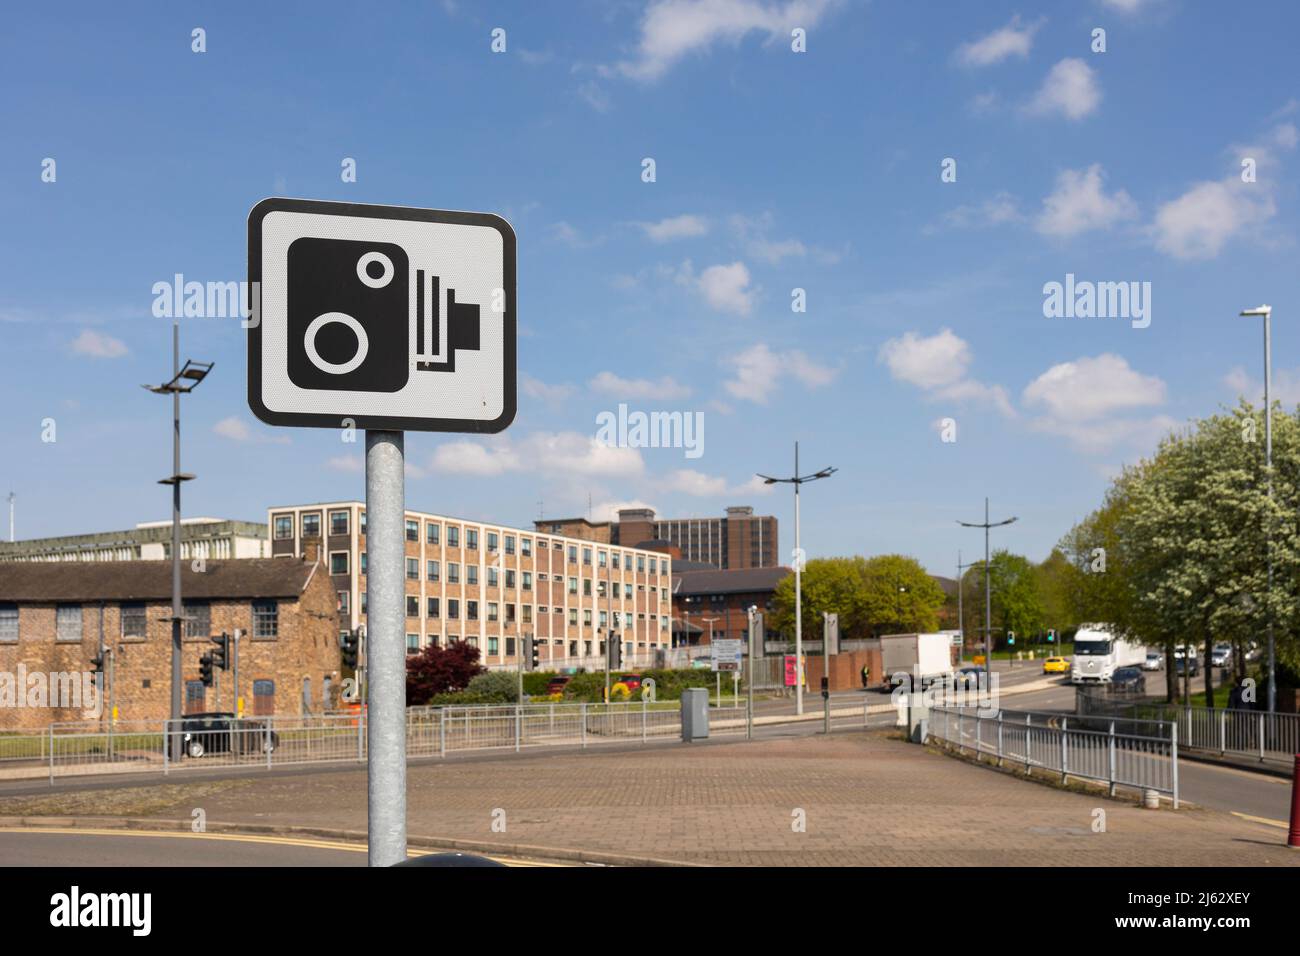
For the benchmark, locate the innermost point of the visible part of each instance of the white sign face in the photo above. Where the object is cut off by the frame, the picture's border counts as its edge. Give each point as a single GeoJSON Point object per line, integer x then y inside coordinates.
{"type": "Point", "coordinates": [727, 654]}
{"type": "Point", "coordinates": [380, 317]}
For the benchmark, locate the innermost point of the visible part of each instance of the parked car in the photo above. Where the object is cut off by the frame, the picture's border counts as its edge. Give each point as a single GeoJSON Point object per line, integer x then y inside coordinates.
{"type": "Point", "coordinates": [1221, 655]}
{"type": "Point", "coordinates": [1155, 661]}
{"type": "Point", "coordinates": [633, 681]}
{"type": "Point", "coordinates": [1193, 668]}
{"type": "Point", "coordinates": [557, 683]}
{"type": "Point", "coordinates": [969, 676]}
{"type": "Point", "coordinates": [222, 732]}
{"type": "Point", "coordinates": [1056, 665]}
{"type": "Point", "coordinates": [1128, 680]}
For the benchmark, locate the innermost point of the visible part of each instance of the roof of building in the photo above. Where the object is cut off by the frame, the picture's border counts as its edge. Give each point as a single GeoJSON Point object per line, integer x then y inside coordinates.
{"type": "Point", "coordinates": [729, 581]}
{"type": "Point", "coordinates": [152, 580]}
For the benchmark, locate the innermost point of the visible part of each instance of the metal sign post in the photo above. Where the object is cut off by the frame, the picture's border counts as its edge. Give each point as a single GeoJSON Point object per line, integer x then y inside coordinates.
{"type": "Point", "coordinates": [387, 319]}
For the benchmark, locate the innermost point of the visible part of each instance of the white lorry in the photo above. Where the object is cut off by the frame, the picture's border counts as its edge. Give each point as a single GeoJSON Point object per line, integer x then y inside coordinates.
{"type": "Point", "coordinates": [1098, 652]}
{"type": "Point", "coordinates": [922, 657]}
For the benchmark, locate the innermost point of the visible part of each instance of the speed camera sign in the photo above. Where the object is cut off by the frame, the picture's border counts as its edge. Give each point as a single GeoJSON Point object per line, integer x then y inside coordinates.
{"type": "Point", "coordinates": [380, 317]}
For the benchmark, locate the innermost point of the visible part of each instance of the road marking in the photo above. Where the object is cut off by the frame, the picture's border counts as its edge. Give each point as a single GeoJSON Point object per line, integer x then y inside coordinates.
{"type": "Point", "coordinates": [317, 844]}
{"type": "Point", "coordinates": [1264, 820]}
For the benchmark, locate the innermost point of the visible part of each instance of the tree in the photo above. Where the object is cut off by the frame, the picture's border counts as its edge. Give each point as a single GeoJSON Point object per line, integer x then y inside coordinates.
{"type": "Point", "coordinates": [1017, 602]}
{"type": "Point", "coordinates": [885, 594]}
{"type": "Point", "coordinates": [438, 670]}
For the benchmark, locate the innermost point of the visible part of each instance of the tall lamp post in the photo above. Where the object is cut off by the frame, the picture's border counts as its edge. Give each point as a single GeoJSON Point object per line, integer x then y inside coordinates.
{"type": "Point", "coordinates": [961, 618]}
{"type": "Point", "coordinates": [1266, 312]}
{"type": "Point", "coordinates": [798, 480]}
{"type": "Point", "coordinates": [183, 380]}
{"type": "Point", "coordinates": [988, 591]}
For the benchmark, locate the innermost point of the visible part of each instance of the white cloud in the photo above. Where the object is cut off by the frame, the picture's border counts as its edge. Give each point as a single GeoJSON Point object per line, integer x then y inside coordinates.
{"type": "Point", "coordinates": [673, 29]}
{"type": "Point", "coordinates": [1010, 40]}
{"type": "Point", "coordinates": [595, 96]}
{"type": "Point", "coordinates": [1080, 204]}
{"type": "Point", "coordinates": [696, 483]}
{"type": "Point", "coordinates": [666, 388]}
{"type": "Point", "coordinates": [752, 233]}
{"type": "Point", "coordinates": [97, 345]}
{"type": "Point", "coordinates": [726, 288]}
{"type": "Point", "coordinates": [232, 428]}
{"type": "Point", "coordinates": [1200, 222]}
{"type": "Point", "coordinates": [351, 464]}
{"type": "Point", "coordinates": [1126, 6]}
{"type": "Point", "coordinates": [608, 510]}
{"type": "Point", "coordinates": [999, 210]}
{"type": "Point", "coordinates": [676, 227]}
{"type": "Point", "coordinates": [553, 454]}
{"type": "Point", "coordinates": [758, 371]}
{"type": "Point", "coordinates": [937, 364]}
{"type": "Point", "coordinates": [1070, 89]}
{"type": "Point", "coordinates": [544, 392]}
{"type": "Point", "coordinates": [1090, 388]}
{"type": "Point", "coordinates": [1284, 388]}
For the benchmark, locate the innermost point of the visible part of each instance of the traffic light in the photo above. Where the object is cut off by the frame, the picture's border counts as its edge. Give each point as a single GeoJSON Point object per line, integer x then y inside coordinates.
{"type": "Point", "coordinates": [349, 644]}
{"type": "Point", "coordinates": [614, 645]}
{"type": "Point", "coordinates": [221, 656]}
{"type": "Point", "coordinates": [97, 664]}
{"type": "Point", "coordinates": [1011, 638]}
{"type": "Point", "coordinates": [205, 670]}
{"type": "Point", "coordinates": [1051, 636]}
{"type": "Point", "coordinates": [534, 653]}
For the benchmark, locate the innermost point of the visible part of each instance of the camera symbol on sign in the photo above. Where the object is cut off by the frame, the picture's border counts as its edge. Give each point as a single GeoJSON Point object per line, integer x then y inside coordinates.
{"type": "Point", "coordinates": [351, 322]}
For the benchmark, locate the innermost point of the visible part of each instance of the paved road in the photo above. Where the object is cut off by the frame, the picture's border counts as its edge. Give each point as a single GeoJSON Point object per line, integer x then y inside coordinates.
{"type": "Point", "coordinates": [88, 847]}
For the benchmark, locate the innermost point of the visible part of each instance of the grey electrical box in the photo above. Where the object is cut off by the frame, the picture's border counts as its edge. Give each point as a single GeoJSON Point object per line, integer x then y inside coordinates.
{"type": "Point", "coordinates": [695, 713]}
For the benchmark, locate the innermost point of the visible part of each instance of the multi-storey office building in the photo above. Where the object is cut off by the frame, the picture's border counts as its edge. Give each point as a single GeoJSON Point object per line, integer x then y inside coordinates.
{"type": "Point", "coordinates": [211, 539]}
{"type": "Point", "coordinates": [493, 585]}
{"type": "Point", "coordinates": [739, 540]}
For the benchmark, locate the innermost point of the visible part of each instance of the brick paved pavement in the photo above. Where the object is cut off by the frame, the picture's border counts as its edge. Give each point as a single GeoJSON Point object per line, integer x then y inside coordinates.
{"type": "Point", "coordinates": [869, 800]}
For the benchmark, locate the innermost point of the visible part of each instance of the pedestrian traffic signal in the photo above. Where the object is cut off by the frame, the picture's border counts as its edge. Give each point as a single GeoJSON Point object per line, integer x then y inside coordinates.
{"type": "Point", "coordinates": [534, 653]}
{"type": "Point", "coordinates": [97, 664]}
{"type": "Point", "coordinates": [349, 644]}
{"type": "Point", "coordinates": [221, 656]}
{"type": "Point", "coordinates": [205, 670]}
{"type": "Point", "coordinates": [1011, 638]}
{"type": "Point", "coordinates": [1051, 636]}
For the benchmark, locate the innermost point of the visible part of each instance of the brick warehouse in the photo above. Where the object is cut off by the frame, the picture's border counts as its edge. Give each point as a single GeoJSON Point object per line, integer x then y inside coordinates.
{"type": "Point", "coordinates": [289, 658]}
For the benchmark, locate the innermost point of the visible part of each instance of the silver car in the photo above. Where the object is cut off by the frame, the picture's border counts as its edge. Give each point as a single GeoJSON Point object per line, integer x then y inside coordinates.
{"type": "Point", "coordinates": [1154, 661]}
{"type": "Point", "coordinates": [1221, 655]}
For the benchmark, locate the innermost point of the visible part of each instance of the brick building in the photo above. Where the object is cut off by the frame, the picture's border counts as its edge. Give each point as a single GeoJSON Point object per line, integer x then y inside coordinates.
{"type": "Point", "coordinates": [741, 539]}
{"type": "Point", "coordinates": [492, 584]}
{"type": "Point", "coordinates": [719, 601]}
{"type": "Point", "coordinates": [53, 616]}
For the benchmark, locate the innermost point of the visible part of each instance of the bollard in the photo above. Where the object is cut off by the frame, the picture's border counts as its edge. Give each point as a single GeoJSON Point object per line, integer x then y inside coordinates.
{"type": "Point", "coordinates": [1293, 835]}
{"type": "Point", "coordinates": [442, 732]}
{"type": "Point", "coordinates": [1150, 799]}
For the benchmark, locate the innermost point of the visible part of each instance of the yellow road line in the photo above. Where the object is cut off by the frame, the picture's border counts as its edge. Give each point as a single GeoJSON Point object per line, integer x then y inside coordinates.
{"type": "Point", "coordinates": [1264, 820]}
{"type": "Point", "coordinates": [317, 844]}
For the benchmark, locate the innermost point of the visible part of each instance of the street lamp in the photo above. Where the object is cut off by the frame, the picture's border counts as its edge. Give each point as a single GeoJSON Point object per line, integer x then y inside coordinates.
{"type": "Point", "coordinates": [1266, 312]}
{"type": "Point", "coordinates": [988, 617]}
{"type": "Point", "coordinates": [798, 480]}
{"type": "Point", "coordinates": [961, 619]}
{"type": "Point", "coordinates": [183, 380]}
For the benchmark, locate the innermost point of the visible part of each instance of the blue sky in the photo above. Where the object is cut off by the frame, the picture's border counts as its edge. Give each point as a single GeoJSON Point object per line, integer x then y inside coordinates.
{"type": "Point", "coordinates": [775, 170]}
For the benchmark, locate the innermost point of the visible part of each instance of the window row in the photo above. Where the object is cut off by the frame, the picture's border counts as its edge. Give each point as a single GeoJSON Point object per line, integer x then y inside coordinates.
{"type": "Point", "coordinates": [134, 621]}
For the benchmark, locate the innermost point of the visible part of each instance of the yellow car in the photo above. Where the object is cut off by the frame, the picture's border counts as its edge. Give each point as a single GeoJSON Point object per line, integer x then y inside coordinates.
{"type": "Point", "coordinates": [1056, 665]}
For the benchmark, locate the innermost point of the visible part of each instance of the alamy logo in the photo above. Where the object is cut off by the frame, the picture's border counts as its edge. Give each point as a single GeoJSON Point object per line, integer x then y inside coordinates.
{"type": "Point", "coordinates": [1098, 300]}
{"type": "Point", "coordinates": [652, 430]}
{"type": "Point", "coordinates": [75, 908]}
{"type": "Point", "coordinates": [40, 690]}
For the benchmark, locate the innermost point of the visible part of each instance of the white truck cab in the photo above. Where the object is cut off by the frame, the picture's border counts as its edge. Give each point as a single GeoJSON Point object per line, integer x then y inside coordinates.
{"type": "Point", "coordinates": [1098, 652]}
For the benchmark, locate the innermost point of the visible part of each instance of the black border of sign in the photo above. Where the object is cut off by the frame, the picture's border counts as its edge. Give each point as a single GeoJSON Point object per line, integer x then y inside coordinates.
{"type": "Point", "coordinates": [380, 422]}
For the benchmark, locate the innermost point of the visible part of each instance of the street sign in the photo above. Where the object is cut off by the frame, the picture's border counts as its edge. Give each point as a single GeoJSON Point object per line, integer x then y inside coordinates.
{"type": "Point", "coordinates": [727, 654]}
{"type": "Point", "coordinates": [380, 317]}
{"type": "Point", "coordinates": [791, 671]}
{"type": "Point", "coordinates": [831, 633]}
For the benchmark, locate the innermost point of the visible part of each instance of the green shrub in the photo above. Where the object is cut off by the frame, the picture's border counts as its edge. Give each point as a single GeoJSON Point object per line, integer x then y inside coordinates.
{"type": "Point", "coordinates": [498, 687]}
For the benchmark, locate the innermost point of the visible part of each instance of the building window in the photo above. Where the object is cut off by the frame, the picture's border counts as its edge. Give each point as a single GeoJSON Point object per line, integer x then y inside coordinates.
{"type": "Point", "coordinates": [573, 554]}
{"type": "Point", "coordinates": [573, 585]}
{"type": "Point", "coordinates": [453, 608]}
{"type": "Point", "coordinates": [528, 614]}
{"type": "Point", "coordinates": [510, 544]}
{"type": "Point", "coordinates": [493, 540]}
{"type": "Point", "coordinates": [364, 607]}
{"type": "Point", "coordinates": [343, 602]}
{"type": "Point", "coordinates": [412, 530]}
{"type": "Point", "coordinates": [492, 646]}
{"type": "Point", "coordinates": [412, 569]}
{"type": "Point", "coordinates": [586, 616]}
{"type": "Point", "coordinates": [471, 610]}
{"type": "Point", "coordinates": [431, 532]}
{"type": "Point", "coordinates": [586, 586]}
{"type": "Point", "coordinates": [134, 620]}
{"type": "Point", "coordinates": [453, 537]}
{"type": "Point", "coordinates": [9, 624]}
{"type": "Point", "coordinates": [198, 618]}
{"type": "Point", "coordinates": [453, 572]}
{"type": "Point", "coordinates": [528, 580]}
{"type": "Point", "coordinates": [338, 522]}
{"type": "Point", "coordinates": [412, 643]}
{"type": "Point", "coordinates": [471, 574]}
{"type": "Point", "coordinates": [654, 565]}
{"type": "Point", "coordinates": [493, 614]}
{"type": "Point", "coordinates": [471, 539]}
{"type": "Point", "coordinates": [338, 562]}
{"type": "Point", "coordinates": [431, 570]}
{"type": "Point", "coordinates": [412, 605]}
{"type": "Point", "coordinates": [510, 579]}
{"type": "Point", "coordinates": [311, 525]}
{"type": "Point", "coordinates": [616, 561]}
{"type": "Point", "coordinates": [525, 546]}
{"type": "Point", "coordinates": [492, 577]}
{"type": "Point", "coordinates": [573, 615]}
{"type": "Point", "coordinates": [433, 607]}
{"type": "Point", "coordinates": [195, 697]}
{"type": "Point", "coordinates": [510, 614]}
{"type": "Point", "coordinates": [266, 618]}
{"type": "Point", "coordinates": [283, 527]}
{"type": "Point", "coordinates": [363, 562]}
{"type": "Point", "coordinates": [640, 562]}
{"type": "Point", "coordinates": [586, 555]}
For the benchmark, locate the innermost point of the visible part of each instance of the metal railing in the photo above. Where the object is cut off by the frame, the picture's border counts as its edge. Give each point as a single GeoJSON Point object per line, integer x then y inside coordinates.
{"type": "Point", "coordinates": [1119, 752]}
{"type": "Point", "coordinates": [1261, 734]}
